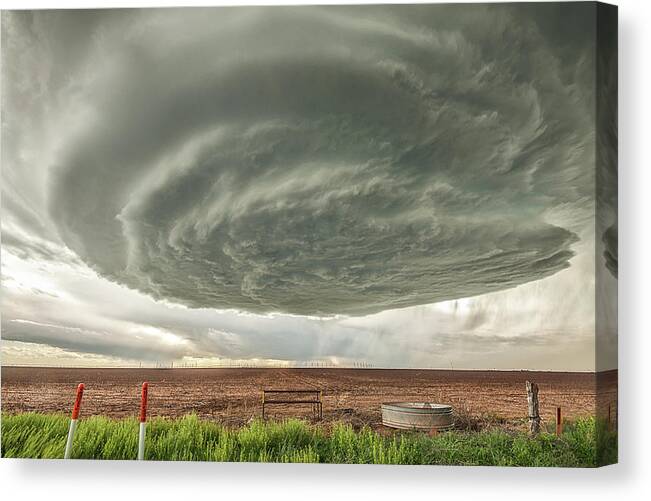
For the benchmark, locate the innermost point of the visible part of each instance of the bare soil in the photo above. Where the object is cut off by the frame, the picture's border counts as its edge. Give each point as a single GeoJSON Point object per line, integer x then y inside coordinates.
{"type": "Point", "coordinates": [233, 395]}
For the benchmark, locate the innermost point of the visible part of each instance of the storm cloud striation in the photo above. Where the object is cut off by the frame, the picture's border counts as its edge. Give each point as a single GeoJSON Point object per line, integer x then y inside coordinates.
{"type": "Point", "coordinates": [319, 161]}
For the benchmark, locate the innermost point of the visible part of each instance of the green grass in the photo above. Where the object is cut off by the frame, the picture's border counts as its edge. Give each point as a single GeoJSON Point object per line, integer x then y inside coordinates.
{"type": "Point", "coordinates": [585, 443]}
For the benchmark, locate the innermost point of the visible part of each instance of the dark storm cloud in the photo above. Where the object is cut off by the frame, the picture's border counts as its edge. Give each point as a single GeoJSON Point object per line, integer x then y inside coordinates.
{"type": "Point", "coordinates": [606, 180]}
{"type": "Point", "coordinates": [610, 241]}
{"type": "Point", "coordinates": [319, 161]}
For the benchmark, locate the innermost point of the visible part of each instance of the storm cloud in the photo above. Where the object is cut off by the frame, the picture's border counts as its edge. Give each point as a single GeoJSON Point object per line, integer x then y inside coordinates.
{"type": "Point", "coordinates": [304, 162]}
{"type": "Point", "coordinates": [318, 161]}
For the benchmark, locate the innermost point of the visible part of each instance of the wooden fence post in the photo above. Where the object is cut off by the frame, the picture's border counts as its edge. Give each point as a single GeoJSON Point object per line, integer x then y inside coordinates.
{"type": "Point", "coordinates": [559, 422]}
{"type": "Point", "coordinates": [532, 401]}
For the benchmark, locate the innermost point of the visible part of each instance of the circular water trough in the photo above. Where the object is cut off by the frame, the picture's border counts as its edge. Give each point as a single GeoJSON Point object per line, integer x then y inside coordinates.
{"type": "Point", "coordinates": [423, 416]}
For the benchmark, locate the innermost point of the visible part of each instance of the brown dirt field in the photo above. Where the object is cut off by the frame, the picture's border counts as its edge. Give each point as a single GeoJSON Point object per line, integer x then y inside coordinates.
{"type": "Point", "coordinates": [232, 396]}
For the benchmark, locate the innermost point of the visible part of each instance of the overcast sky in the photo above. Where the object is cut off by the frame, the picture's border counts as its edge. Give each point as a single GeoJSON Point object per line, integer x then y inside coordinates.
{"type": "Point", "coordinates": [405, 186]}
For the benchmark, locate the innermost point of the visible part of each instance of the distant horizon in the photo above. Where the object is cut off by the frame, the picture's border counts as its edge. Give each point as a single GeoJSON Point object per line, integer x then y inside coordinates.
{"type": "Point", "coordinates": [307, 368]}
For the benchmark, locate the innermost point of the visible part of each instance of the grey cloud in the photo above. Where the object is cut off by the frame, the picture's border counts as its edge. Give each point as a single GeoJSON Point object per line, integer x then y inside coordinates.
{"type": "Point", "coordinates": [87, 314]}
{"type": "Point", "coordinates": [76, 339]}
{"type": "Point", "coordinates": [606, 165]}
{"type": "Point", "coordinates": [610, 254]}
{"type": "Point", "coordinates": [25, 249]}
{"type": "Point", "coordinates": [320, 161]}
{"type": "Point", "coordinates": [36, 249]}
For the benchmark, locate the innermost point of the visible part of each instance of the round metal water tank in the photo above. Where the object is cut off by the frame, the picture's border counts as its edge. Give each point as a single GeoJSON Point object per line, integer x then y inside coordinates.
{"type": "Point", "coordinates": [423, 416]}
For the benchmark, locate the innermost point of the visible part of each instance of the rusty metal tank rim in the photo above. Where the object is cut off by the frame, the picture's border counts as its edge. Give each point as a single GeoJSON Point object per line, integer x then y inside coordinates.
{"type": "Point", "coordinates": [419, 406]}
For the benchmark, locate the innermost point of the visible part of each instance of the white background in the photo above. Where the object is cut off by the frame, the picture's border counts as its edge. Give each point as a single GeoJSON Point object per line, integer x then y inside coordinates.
{"type": "Point", "coordinates": [24, 479]}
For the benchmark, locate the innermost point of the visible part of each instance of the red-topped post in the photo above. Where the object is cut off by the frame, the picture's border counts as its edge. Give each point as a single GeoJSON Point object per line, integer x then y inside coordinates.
{"type": "Point", "coordinates": [73, 421]}
{"type": "Point", "coordinates": [143, 421]}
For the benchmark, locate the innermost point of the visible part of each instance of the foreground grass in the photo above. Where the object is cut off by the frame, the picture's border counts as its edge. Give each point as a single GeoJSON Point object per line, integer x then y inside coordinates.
{"type": "Point", "coordinates": [190, 439]}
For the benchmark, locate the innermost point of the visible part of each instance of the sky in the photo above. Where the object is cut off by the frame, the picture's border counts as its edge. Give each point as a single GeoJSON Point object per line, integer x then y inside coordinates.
{"type": "Point", "coordinates": [397, 186]}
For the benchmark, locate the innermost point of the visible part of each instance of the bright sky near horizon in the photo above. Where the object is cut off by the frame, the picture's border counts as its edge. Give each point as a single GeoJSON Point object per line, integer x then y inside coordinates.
{"type": "Point", "coordinates": [404, 186]}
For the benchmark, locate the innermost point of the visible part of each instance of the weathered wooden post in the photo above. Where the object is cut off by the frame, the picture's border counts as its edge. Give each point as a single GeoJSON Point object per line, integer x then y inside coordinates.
{"type": "Point", "coordinates": [559, 422]}
{"type": "Point", "coordinates": [532, 401]}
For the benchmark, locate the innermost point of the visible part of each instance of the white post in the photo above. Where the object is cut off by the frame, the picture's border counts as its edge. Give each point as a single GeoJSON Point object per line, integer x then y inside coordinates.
{"type": "Point", "coordinates": [73, 421]}
{"type": "Point", "coordinates": [71, 434]}
{"type": "Point", "coordinates": [141, 442]}
{"type": "Point", "coordinates": [143, 421]}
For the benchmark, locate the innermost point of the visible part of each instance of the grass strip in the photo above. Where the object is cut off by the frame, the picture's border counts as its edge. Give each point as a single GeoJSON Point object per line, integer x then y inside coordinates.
{"type": "Point", "coordinates": [584, 443]}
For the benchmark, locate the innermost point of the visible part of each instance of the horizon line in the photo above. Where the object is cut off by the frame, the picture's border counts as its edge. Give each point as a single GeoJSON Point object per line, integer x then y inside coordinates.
{"type": "Point", "coordinates": [23, 366]}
